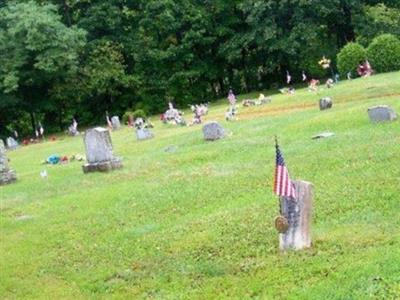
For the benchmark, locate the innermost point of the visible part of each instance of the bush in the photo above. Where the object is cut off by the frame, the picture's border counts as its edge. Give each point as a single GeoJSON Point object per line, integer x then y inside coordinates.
{"type": "Point", "coordinates": [384, 53]}
{"type": "Point", "coordinates": [139, 113]}
{"type": "Point", "coordinates": [125, 117]}
{"type": "Point", "coordinates": [350, 57]}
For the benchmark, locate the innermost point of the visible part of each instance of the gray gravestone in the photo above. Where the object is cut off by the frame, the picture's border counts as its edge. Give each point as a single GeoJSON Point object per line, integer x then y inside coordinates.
{"type": "Point", "coordinates": [381, 113]}
{"type": "Point", "coordinates": [6, 174]}
{"type": "Point", "coordinates": [297, 213]}
{"type": "Point", "coordinates": [213, 131]}
{"type": "Point", "coordinates": [12, 144]}
{"type": "Point", "coordinates": [143, 134]}
{"type": "Point", "coordinates": [116, 124]}
{"type": "Point", "coordinates": [325, 103]}
{"type": "Point", "coordinates": [99, 151]}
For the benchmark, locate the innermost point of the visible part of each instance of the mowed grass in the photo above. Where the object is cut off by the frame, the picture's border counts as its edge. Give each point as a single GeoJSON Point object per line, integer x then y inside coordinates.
{"type": "Point", "coordinates": [197, 222]}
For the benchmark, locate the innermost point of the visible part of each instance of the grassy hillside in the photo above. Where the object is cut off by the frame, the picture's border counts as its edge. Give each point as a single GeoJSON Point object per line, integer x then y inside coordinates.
{"type": "Point", "coordinates": [197, 223]}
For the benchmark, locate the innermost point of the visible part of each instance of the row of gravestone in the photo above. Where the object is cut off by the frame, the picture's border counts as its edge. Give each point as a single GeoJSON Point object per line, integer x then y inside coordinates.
{"type": "Point", "coordinates": [99, 151]}
{"type": "Point", "coordinates": [380, 113]}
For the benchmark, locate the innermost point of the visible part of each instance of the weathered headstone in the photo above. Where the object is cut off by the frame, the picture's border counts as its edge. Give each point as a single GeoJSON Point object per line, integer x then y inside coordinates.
{"type": "Point", "coordinates": [12, 144]}
{"type": "Point", "coordinates": [382, 113]}
{"type": "Point", "coordinates": [6, 174]}
{"type": "Point", "coordinates": [294, 224]}
{"type": "Point", "coordinates": [99, 151]}
{"type": "Point", "coordinates": [116, 124]}
{"type": "Point", "coordinates": [143, 134]}
{"type": "Point", "coordinates": [213, 131]}
{"type": "Point", "coordinates": [325, 103]}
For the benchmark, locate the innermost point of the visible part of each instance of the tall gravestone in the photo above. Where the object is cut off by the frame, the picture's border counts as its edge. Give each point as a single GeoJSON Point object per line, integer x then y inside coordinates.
{"type": "Point", "coordinates": [99, 151]}
{"type": "Point", "coordinates": [116, 124]}
{"type": "Point", "coordinates": [294, 224]}
{"type": "Point", "coordinates": [382, 113]}
{"type": "Point", "coordinates": [6, 174]}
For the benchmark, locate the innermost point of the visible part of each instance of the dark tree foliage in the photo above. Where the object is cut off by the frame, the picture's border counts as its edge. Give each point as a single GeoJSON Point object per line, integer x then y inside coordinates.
{"type": "Point", "coordinates": [61, 59]}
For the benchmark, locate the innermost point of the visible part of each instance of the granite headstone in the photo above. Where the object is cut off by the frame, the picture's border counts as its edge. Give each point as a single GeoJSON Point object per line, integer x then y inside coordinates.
{"type": "Point", "coordinates": [99, 151]}
{"type": "Point", "coordinates": [382, 113]}
{"type": "Point", "coordinates": [325, 103]}
{"type": "Point", "coordinates": [116, 124]}
{"type": "Point", "coordinates": [213, 131]}
{"type": "Point", "coordinates": [12, 144]}
{"type": "Point", "coordinates": [6, 174]}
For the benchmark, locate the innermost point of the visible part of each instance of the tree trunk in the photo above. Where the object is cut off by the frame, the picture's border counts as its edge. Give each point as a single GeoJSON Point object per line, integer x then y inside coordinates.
{"type": "Point", "coordinates": [33, 121]}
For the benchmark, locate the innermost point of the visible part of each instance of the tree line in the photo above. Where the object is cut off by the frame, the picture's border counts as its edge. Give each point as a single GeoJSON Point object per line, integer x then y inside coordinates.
{"type": "Point", "coordinates": [64, 59]}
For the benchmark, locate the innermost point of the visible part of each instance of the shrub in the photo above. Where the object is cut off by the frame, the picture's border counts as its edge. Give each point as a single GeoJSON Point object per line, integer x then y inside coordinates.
{"type": "Point", "coordinates": [125, 117]}
{"type": "Point", "coordinates": [384, 53]}
{"type": "Point", "coordinates": [139, 113]}
{"type": "Point", "coordinates": [350, 57]}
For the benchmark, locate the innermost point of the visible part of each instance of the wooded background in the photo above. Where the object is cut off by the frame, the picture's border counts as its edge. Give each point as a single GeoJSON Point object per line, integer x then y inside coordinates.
{"type": "Point", "coordinates": [79, 58]}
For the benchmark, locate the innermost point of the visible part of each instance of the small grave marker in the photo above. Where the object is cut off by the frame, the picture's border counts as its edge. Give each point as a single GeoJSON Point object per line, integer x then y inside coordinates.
{"type": "Point", "coordinates": [325, 103]}
{"type": "Point", "coordinates": [213, 131]}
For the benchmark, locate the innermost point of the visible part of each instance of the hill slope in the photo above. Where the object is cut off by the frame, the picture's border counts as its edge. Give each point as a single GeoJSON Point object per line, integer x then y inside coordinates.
{"type": "Point", "coordinates": [198, 222]}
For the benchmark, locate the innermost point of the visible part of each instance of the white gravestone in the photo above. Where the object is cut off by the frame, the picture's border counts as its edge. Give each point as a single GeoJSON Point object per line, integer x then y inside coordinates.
{"type": "Point", "coordinates": [99, 151]}
{"type": "Point", "coordinates": [6, 174]}
{"type": "Point", "coordinates": [297, 215]}
{"type": "Point", "coordinates": [381, 113]}
{"type": "Point", "coordinates": [116, 124]}
{"type": "Point", "coordinates": [143, 134]}
{"type": "Point", "coordinates": [12, 144]}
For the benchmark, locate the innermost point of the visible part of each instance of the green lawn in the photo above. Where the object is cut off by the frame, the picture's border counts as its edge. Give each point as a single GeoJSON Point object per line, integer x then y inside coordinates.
{"type": "Point", "coordinates": [197, 223]}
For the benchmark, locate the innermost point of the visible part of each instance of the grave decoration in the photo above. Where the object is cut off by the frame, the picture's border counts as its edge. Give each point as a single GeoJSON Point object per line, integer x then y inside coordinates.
{"type": "Point", "coordinates": [199, 110]}
{"type": "Point", "coordinates": [231, 113]}
{"type": "Point", "coordinates": [73, 128]}
{"type": "Point", "coordinates": [364, 69]}
{"type": "Point", "coordinates": [262, 100]}
{"type": "Point", "coordinates": [173, 116]}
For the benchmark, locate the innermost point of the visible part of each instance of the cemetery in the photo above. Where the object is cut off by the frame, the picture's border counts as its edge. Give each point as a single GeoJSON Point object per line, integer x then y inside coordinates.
{"type": "Point", "coordinates": [158, 149]}
{"type": "Point", "coordinates": [190, 213]}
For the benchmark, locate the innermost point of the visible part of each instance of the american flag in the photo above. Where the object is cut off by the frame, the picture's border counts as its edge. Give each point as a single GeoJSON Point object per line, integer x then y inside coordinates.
{"type": "Point", "coordinates": [283, 185]}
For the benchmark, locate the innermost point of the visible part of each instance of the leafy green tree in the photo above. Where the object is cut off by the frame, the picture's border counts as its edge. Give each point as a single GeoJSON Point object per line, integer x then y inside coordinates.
{"type": "Point", "coordinates": [350, 57]}
{"type": "Point", "coordinates": [37, 50]}
{"type": "Point", "coordinates": [376, 20]}
{"type": "Point", "coordinates": [384, 53]}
